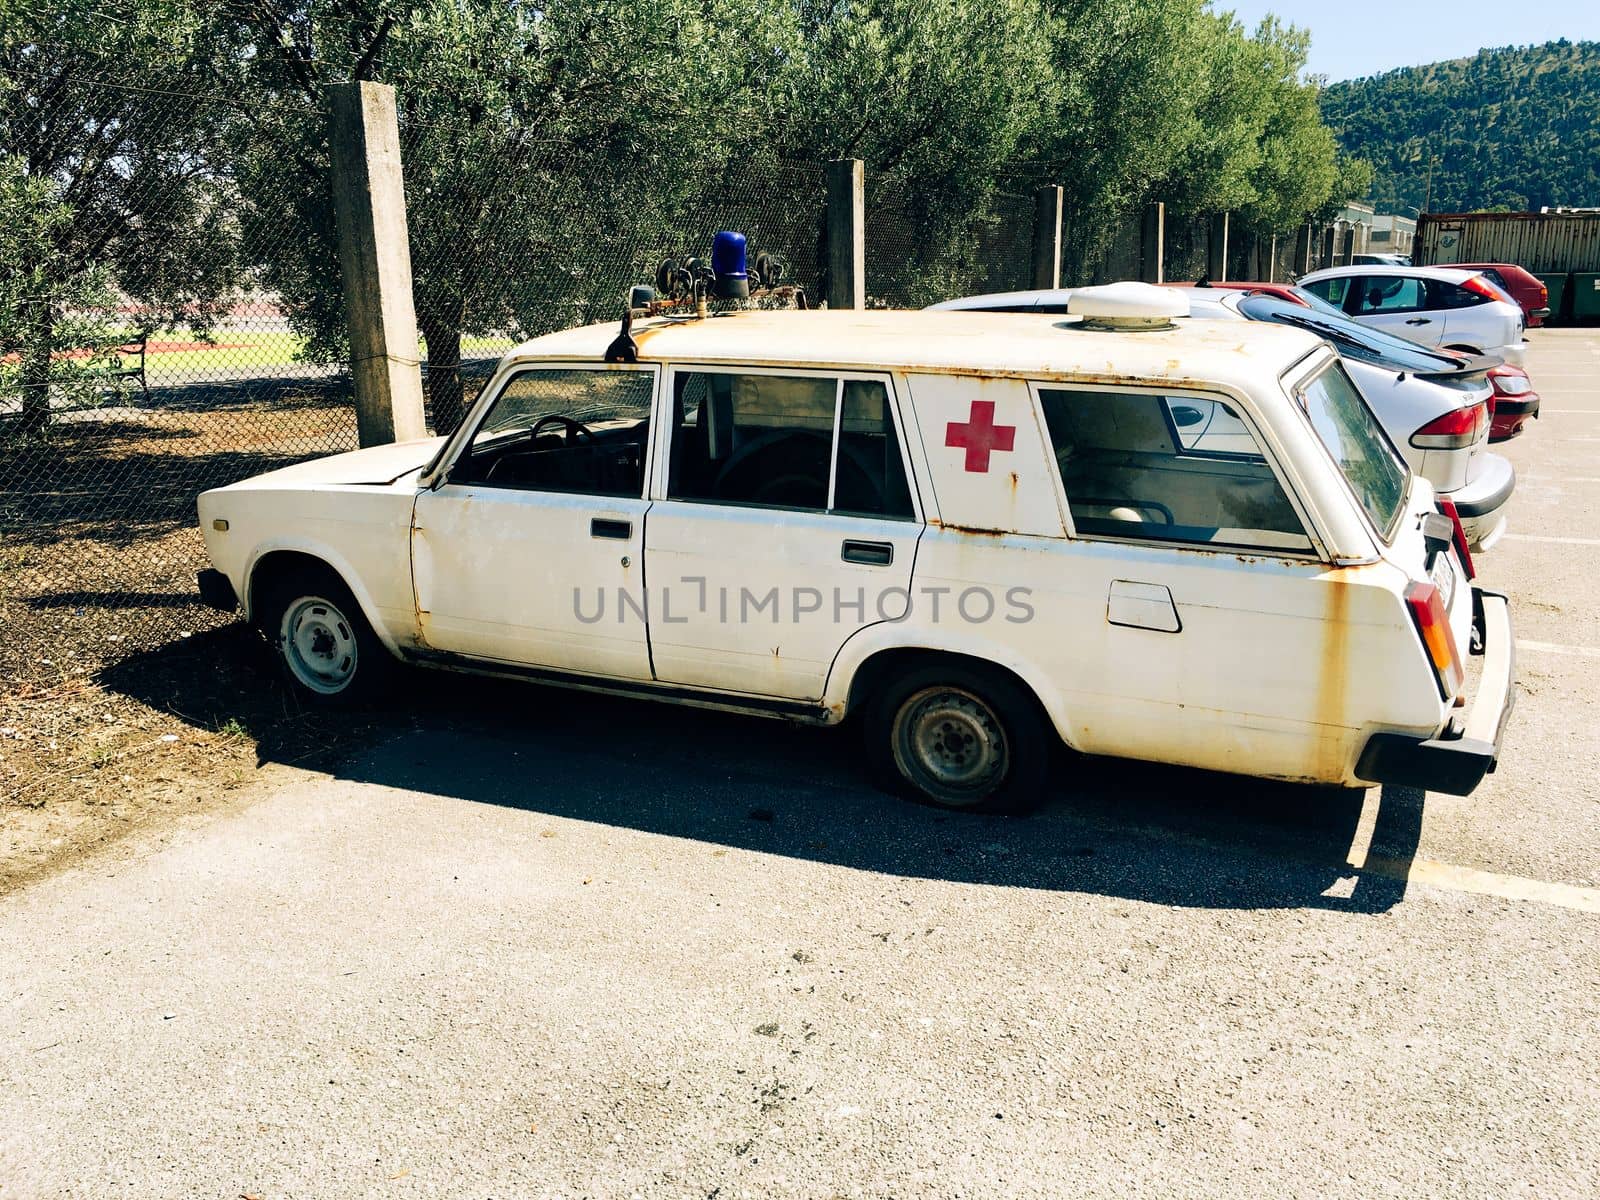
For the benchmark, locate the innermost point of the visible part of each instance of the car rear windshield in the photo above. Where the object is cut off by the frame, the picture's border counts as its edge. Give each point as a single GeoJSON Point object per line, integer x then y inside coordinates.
{"type": "Point", "coordinates": [1350, 338]}
{"type": "Point", "coordinates": [1352, 435]}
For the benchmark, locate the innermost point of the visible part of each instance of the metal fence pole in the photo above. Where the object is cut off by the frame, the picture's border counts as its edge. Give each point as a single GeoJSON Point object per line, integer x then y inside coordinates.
{"type": "Point", "coordinates": [1217, 249]}
{"type": "Point", "coordinates": [1153, 243]}
{"type": "Point", "coordinates": [847, 237]}
{"type": "Point", "coordinates": [375, 258]}
{"type": "Point", "coordinates": [1047, 214]}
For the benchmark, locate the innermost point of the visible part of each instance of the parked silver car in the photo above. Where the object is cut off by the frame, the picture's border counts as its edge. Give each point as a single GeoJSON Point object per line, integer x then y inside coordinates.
{"type": "Point", "coordinates": [1433, 406]}
{"type": "Point", "coordinates": [1432, 306]}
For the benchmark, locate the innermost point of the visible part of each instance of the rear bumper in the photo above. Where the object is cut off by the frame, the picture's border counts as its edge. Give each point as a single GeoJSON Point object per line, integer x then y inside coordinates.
{"type": "Point", "coordinates": [217, 590]}
{"type": "Point", "coordinates": [1481, 503]}
{"type": "Point", "coordinates": [1511, 414]}
{"type": "Point", "coordinates": [1457, 759]}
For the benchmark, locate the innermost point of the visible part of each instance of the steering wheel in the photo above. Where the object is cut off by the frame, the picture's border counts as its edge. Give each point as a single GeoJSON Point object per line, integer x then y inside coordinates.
{"type": "Point", "coordinates": [574, 428]}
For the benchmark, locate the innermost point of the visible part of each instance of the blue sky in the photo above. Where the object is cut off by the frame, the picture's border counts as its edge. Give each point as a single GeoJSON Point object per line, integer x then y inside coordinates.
{"type": "Point", "coordinates": [1363, 37]}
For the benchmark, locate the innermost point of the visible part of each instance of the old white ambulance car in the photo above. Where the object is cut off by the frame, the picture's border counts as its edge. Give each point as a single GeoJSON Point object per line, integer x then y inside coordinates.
{"type": "Point", "coordinates": [980, 536]}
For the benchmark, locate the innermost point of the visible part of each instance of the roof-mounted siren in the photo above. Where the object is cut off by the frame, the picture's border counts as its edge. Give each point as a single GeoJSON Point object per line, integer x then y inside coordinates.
{"type": "Point", "coordinates": [732, 278]}
{"type": "Point", "coordinates": [1127, 307]}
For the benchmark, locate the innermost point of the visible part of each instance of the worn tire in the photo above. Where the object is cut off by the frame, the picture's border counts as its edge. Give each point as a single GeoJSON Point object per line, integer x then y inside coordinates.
{"type": "Point", "coordinates": [960, 738]}
{"type": "Point", "coordinates": [324, 647]}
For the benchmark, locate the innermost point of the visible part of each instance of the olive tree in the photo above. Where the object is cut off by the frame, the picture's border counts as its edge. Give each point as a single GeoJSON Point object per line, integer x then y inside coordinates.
{"type": "Point", "coordinates": [110, 192]}
{"type": "Point", "coordinates": [540, 141]}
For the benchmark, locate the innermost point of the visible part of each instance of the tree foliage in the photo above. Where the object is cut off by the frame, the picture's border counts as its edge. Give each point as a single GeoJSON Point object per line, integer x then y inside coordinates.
{"type": "Point", "coordinates": [100, 184]}
{"type": "Point", "coordinates": [552, 147]}
{"type": "Point", "coordinates": [1510, 128]}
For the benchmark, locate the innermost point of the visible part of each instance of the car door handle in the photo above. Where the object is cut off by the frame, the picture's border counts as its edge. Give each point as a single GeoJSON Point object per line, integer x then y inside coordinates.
{"type": "Point", "coordinates": [1420, 321]}
{"type": "Point", "coordinates": [602, 527]}
{"type": "Point", "coordinates": [876, 554]}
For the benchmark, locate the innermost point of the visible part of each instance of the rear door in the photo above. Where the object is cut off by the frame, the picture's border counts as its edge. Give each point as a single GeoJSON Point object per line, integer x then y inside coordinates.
{"type": "Point", "coordinates": [784, 521]}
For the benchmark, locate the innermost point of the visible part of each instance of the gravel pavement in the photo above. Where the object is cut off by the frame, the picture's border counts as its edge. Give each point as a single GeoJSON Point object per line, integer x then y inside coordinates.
{"type": "Point", "coordinates": [559, 945]}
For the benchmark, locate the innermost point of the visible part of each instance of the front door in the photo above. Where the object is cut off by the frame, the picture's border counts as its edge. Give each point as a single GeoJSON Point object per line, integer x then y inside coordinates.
{"type": "Point", "coordinates": [532, 550]}
{"type": "Point", "coordinates": [785, 523]}
{"type": "Point", "coordinates": [1399, 305]}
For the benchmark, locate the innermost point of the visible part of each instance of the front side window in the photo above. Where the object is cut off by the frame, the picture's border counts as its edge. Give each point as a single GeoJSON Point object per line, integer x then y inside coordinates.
{"type": "Point", "coordinates": [1358, 444]}
{"type": "Point", "coordinates": [564, 430]}
{"type": "Point", "coordinates": [807, 442]}
{"type": "Point", "coordinates": [1167, 468]}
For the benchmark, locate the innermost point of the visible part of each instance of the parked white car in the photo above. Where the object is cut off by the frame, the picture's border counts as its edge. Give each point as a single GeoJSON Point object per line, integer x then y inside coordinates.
{"type": "Point", "coordinates": [1434, 407]}
{"type": "Point", "coordinates": [982, 537]}
{"type": "Point", "coordinates": [1432, 306]}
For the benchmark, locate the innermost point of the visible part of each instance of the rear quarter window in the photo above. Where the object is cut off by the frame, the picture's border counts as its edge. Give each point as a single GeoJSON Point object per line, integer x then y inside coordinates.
{"type": "Point", "coordinates": [1345, 424]}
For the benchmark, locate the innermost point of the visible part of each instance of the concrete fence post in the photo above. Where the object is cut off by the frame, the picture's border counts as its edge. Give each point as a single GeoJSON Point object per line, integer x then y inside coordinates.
{"type": "Point", "coordinates": [375, 257]}
{"type": "Point", "coordinates": [847, 235]}
{"type": "Point", "coordinates": [1217, 249]}
{"type": "Point", "coordinates": [1329, 246]}
{"type": "Point", "coordinates": [1153, 243]}
{"type": "Point", "coordinates": [1047, 214]}
{"type": "Point", "coordinates": [1302, 258]}
{"type": "Point", "coordinates": [1272, 261]}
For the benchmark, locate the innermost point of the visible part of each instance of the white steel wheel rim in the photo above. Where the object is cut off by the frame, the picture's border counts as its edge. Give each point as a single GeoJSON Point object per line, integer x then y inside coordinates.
{"type": "Point", "coordinates": [950, 743]}
{"type": "Point", "coordinates": [319, 644]}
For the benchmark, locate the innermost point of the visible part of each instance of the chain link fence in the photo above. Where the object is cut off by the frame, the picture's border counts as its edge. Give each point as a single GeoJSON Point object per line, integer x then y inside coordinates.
{"type": "Point", "coordinates": [917, 255]}
{"type": "Point", "coordinates": [140, 363]}
{"type": "Point", "coordinates": [171, 313]}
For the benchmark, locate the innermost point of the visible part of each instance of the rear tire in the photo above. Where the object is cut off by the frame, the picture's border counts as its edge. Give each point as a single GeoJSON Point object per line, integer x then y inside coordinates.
{"type": "Point", "coordinates": [959, 738]}
{"type": "Point", "coordinates": [326, 650]}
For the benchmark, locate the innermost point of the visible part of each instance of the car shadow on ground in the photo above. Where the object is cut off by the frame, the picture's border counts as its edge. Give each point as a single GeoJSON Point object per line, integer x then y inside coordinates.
{"type": "Point", "coordinates": [1140, 831]}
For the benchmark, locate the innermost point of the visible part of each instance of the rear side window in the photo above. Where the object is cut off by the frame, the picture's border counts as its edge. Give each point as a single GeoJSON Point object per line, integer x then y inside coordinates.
{"type": "Point", "coordinates": [1167, 468]}
{"type": "Point", "coordinates": [808, 442]}
{"type": "Point", "coordinates": [1453, 295]}
{"type": "Point", "coordinates": [1391, 293]}
{"type": "Point", "coordinates": [1352, 435]}
{"type": "Point", "coordinates": [1332, 290]}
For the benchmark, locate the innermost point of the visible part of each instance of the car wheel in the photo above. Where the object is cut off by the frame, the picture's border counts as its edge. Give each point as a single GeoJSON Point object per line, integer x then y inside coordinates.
{"type": "Point", "coordinates": [959, 738]}
{"type": "Point", "coordinates": [323, 644]}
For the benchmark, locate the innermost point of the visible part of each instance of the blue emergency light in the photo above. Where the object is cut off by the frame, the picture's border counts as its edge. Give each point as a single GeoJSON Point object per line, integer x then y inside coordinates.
{"type": "Point", "coordinates": [728, 265]}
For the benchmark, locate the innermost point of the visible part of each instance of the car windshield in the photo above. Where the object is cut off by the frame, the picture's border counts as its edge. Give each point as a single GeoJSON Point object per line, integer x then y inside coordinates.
{"type": "Point", "coordinates": [1361, 342]}
{"type": "Point", "coordinates": [1351, 433]}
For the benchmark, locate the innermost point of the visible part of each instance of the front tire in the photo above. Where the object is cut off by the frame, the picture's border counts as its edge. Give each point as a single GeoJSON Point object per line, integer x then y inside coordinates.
{"type": "Point", "coordinates": [959, 738]}
{"type": "Point", "coordinates": [325, 648]}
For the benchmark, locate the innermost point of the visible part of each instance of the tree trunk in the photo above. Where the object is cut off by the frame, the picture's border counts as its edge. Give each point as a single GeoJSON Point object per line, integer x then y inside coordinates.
{"type": "Point", "coordinates": [36, 367]}
{"type": "Point", "coordinates": [445, 396]}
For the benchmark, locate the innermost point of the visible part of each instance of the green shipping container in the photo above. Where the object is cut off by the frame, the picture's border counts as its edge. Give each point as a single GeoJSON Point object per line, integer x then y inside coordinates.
{"type": "Point", "coordinates": [1585, 296]}
{"type": "Point", "coordinates": [1556, 285]}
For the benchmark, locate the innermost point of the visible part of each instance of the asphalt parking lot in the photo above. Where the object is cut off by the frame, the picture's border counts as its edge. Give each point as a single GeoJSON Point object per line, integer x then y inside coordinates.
{"type": "Point", "coordinates": [566, 946]}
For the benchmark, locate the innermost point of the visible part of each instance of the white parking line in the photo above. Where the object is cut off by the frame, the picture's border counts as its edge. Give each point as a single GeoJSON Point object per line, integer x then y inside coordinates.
{"type": "Point", "coordinates": [1562, 541]}
{"type": "Point", "coordinates": [1480, 883]}
{"type": "Point", "coordinates": [1557, 648]}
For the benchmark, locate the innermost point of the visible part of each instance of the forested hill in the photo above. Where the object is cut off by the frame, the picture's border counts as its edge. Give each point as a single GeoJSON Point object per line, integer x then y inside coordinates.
{"type": "Point", "coordinates": [1514, 128]}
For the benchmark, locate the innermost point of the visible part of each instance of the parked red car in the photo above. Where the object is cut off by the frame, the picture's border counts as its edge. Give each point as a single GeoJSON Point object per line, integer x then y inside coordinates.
{"type": "Point", "coordinates": [1513, 404]}
{"type": "Point", "coordinates": [1531, 295]}
{"type": "Point", "coordinates": [1282, 291]}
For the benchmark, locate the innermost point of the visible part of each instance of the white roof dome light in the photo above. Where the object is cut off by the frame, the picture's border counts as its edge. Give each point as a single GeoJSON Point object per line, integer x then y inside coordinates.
{"type": "Point", "coordinates": [1127, 306]}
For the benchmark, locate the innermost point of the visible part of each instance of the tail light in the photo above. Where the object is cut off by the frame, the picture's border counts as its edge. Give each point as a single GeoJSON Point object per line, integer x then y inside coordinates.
{"type": "Point", "coordinates": [1508, 380]}
{"type": "Point", "coordinates": [1433, 625]}
{"type": "Point", "coordinates": [1480, 286]}
{"type": "Point", "coordinates": [1458, 428]}
{"type": "Point", "coordinates": [1448, 507]}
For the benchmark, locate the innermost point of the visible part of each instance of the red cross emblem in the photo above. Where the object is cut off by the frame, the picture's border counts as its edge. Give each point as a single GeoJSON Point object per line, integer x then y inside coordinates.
{"type": "Point", "coordinates": [978, 435]}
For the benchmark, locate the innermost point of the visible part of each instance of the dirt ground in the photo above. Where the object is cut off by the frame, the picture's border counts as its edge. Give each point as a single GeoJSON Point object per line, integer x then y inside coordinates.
{"type": "Point", "coordinates": [181, 730]}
